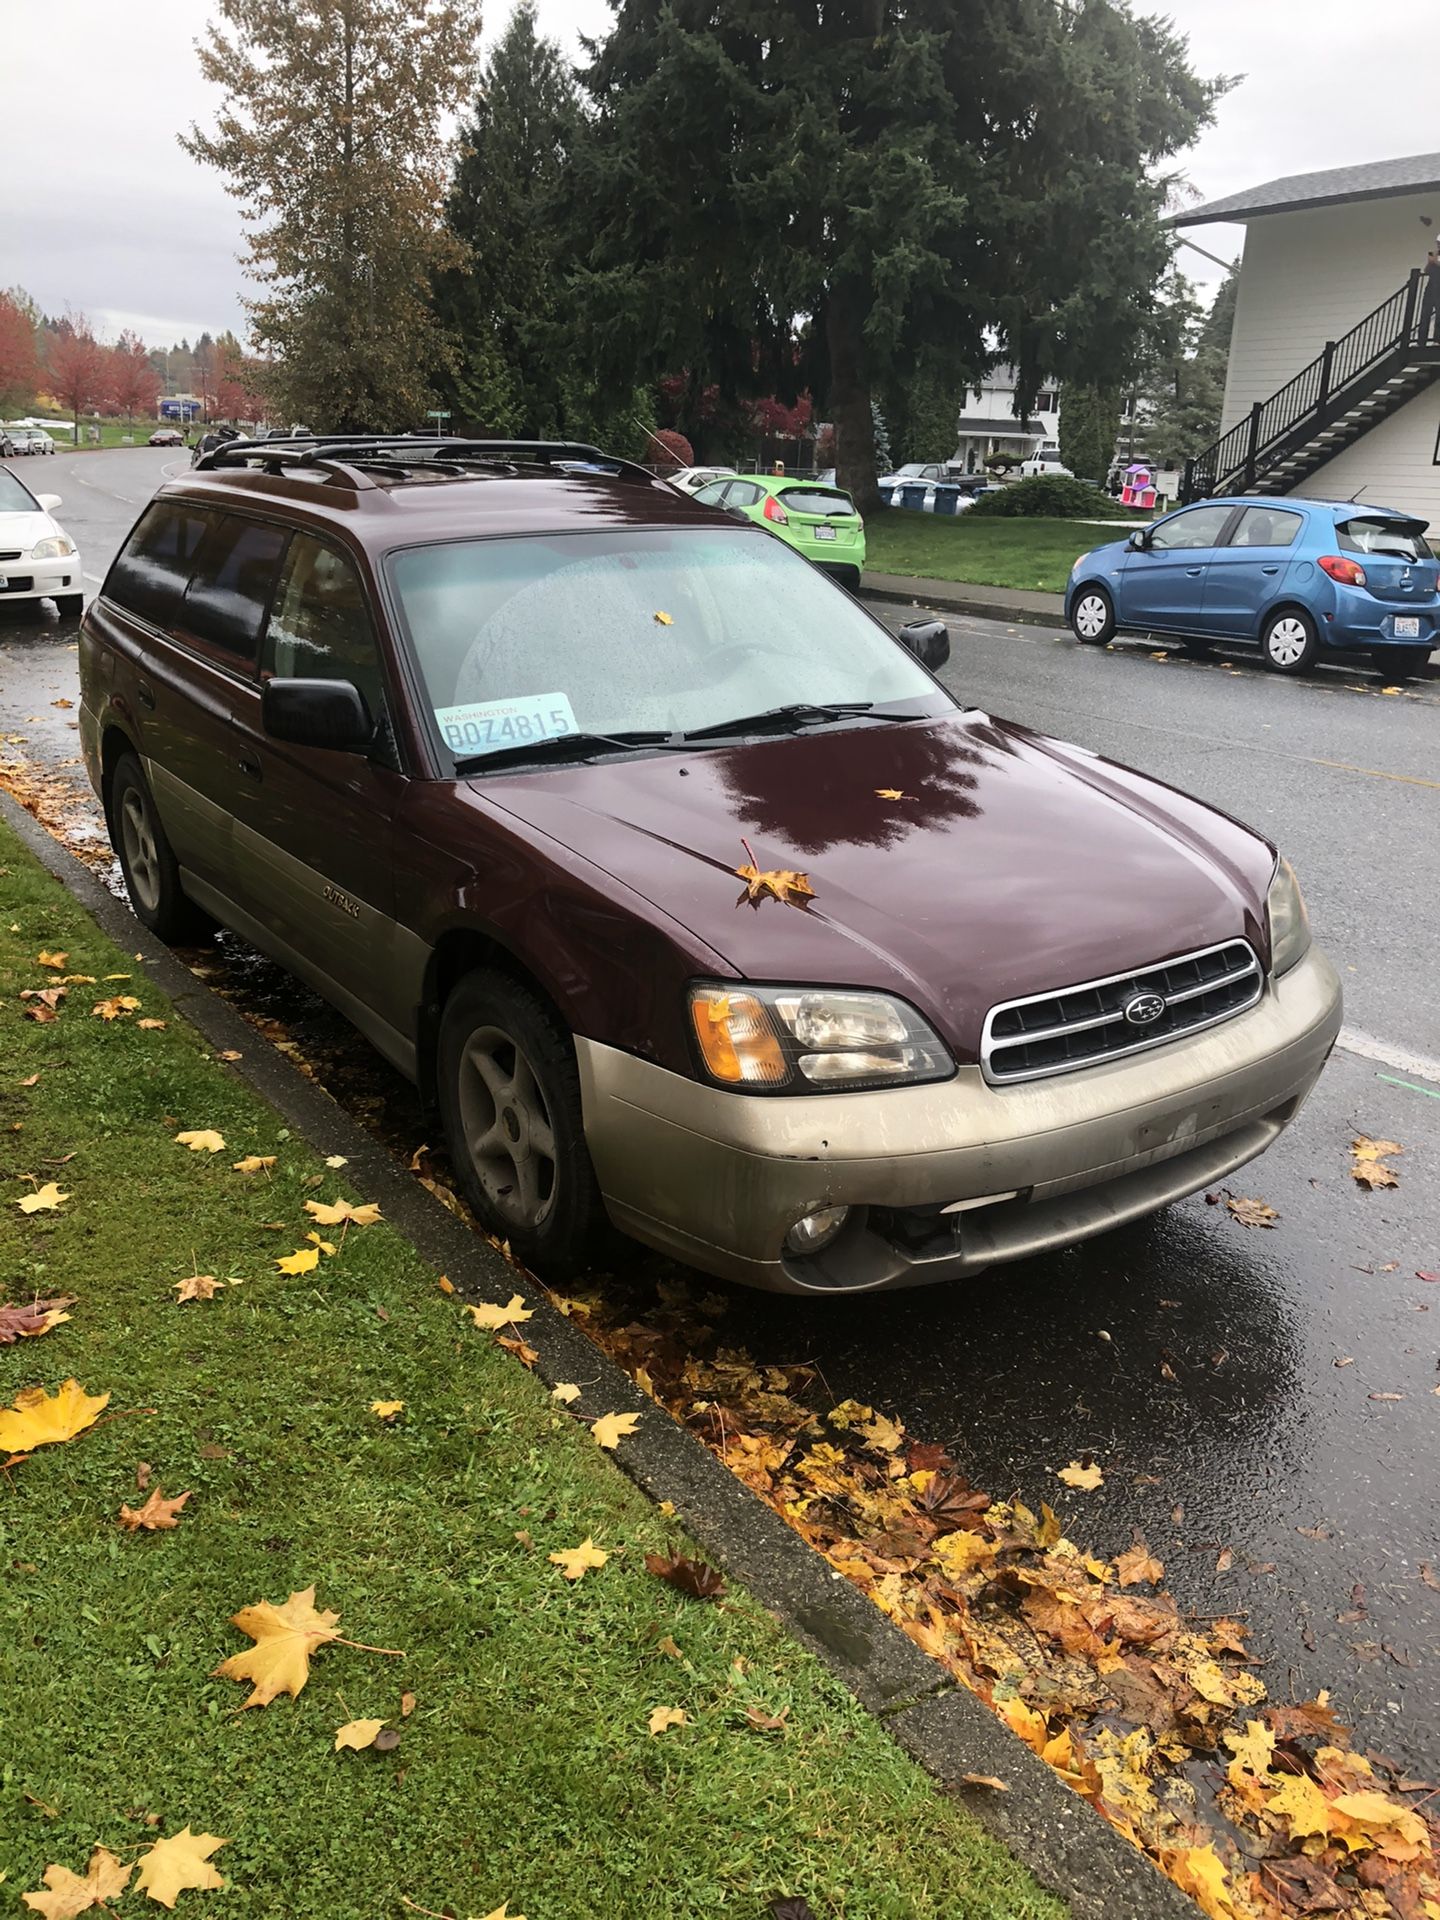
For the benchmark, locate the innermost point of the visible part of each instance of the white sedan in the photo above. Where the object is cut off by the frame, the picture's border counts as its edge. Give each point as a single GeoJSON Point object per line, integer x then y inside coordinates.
{"type": "Point", "coordinates": [691, 479]}
{"type": "Point", "coordinates": [38, 560]}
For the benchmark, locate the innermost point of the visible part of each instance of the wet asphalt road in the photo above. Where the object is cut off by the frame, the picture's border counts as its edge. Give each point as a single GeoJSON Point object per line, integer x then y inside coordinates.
{"type": "Point", "coordinates": [1197, 1359]}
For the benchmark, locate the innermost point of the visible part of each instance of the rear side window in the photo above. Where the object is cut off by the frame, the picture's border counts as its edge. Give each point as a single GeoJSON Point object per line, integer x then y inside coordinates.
{"type": "Point", "coordinates": [828, 501]}
{"type": "Point", "coordinates": [1267, 527]}
{"type": "Point", "coordinates": [1394, 539]}
{"type": "Point", "coordinates": [152, 569]}
{"type": "Point", "coordinates": [743, 493]}
{"type": "Point", "coordinates": [231, 585]}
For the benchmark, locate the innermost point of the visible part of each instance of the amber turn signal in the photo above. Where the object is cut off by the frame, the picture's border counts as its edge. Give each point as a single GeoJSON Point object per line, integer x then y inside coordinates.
{"type": "Point", "coordinates": [736, 1040]}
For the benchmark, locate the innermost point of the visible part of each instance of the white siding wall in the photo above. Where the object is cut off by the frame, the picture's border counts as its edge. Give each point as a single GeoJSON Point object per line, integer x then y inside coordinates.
{"type": "Point", "coordinates": [1309, 277]}
{"type": "Point", "coordinates": [1394, 463]}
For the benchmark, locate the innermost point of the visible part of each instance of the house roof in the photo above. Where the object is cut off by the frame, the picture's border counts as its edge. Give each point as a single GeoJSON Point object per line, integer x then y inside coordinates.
{"type": "Point", "coordinates": [1375, 180]}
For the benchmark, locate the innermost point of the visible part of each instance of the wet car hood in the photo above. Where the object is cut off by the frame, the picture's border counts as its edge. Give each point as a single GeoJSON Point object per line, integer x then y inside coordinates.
{"type": "Point", "coordinates": [23, 526]}
{"type": "Point", "coordinates": [1010, 864]}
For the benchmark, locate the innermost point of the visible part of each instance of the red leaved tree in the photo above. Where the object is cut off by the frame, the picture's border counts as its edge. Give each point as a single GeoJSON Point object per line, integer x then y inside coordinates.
{"type": "Point", "coordinates": [19, 359]}
{"type": "Point", "coordinates": [76, 366]}
{"type": "Point", "coordinates": [672, 450]}
{"type": "Point", "coordinates": [237, 387]}
{"type": "Point", "coordinates": [132, 384]}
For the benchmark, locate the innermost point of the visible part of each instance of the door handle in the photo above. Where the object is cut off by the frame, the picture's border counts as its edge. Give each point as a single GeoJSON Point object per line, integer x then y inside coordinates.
{"type": "Point", "coordinates": [1192, 571]}
{"type": "Point", "coordinates": [1269, 569]}
{"type": "Point", "coordinates": [249, 767]}
{"type": "Point", "coordinates": [144, 695]}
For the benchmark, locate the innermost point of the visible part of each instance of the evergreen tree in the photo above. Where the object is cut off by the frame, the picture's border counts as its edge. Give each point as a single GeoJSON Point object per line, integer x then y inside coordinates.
{"type": "Point", "coordinates": [924, 417]}
{"type": "Point", "coordinates": [1182, 387]}
{"type": "Point", "coordinates": [1089, 425]}
{"type": "Point", "coordinates": [901, 174]}
{"type": "Point", "coordinates": [503, 303]}
{"type": "Point", "coordinates": [329, 137]}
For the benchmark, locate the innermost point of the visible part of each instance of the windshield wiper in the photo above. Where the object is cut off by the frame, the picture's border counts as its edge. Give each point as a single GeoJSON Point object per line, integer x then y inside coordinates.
{"type": "Point", "coordinates": [799, 713]}
{"type": "Point", "coordinates": [565, 746]}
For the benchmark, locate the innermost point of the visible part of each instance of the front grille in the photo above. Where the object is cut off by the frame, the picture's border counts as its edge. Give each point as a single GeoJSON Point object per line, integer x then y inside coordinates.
{"type": "Point", "coordinates": [1079, 1026]}
{"type": "Point", "coordinates": [11, 556]}
{"type": "Point", "coordinates": [17, 583]}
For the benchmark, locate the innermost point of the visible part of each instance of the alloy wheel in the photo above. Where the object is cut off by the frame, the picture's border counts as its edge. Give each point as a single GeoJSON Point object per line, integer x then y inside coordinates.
{"type": "Point", "coordinates": [142, 856]}
{"type": "Point", "coordinates": [507, 1126]}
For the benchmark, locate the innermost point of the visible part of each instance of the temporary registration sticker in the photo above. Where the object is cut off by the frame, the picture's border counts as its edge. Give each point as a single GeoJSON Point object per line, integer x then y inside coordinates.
{"type": "Point", "coordinates": [484, 726]}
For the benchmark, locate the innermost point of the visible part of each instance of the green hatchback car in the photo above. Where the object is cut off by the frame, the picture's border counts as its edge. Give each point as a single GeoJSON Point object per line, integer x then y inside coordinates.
{"type": "Point", "coordinates": [818, 521]}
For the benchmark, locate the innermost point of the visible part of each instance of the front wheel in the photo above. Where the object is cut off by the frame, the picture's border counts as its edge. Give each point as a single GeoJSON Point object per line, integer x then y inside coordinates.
{"type": "Point", "coordinates": [510, 1099]}
{"type": "Point", "coordinates": [1092, 617]}
{"type": "Point", "coordinates": [147, 860]}
{"type": "Point", "coordinates": [69, 605]}
{"type": "Point", "coordinates": [1400, 663]}
{"type": "Point", "coordinates": [1289, 642]}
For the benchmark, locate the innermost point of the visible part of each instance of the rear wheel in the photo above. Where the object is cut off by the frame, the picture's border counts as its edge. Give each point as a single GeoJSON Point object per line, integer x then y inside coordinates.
{"type": "Point", "coordinates": [1289, 642]}
{"type": "Point", "coordinates": [69, 605]}
{"type": "Point", "coordinates": [152, 874]}
{"type": "Point", "coordinates": [1400, 663]}
{"type": "Point", "coordinates": [1092, 617]}
{"type": "Point", "coordinates": [510, 1100]}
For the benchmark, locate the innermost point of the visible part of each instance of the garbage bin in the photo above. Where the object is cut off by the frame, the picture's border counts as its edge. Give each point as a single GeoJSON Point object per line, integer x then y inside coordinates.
{"type": "Point", "coordinates": [947, 497]}
{"type": "Point", "coordinates": [887, 495]}
{"type": "Point", "coordinates": [912, 495]}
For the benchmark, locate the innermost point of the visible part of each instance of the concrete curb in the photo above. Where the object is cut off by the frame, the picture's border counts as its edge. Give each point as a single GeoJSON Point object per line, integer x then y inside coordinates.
{"type": "Point", "coordinates": [946, 598]}
{"type": "Point", "coordinates": [1064, 1843]}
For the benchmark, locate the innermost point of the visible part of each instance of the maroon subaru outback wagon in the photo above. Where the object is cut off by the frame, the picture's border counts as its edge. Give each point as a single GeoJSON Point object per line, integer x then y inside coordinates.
{"type": "Point", "coordinates": [689, 895]}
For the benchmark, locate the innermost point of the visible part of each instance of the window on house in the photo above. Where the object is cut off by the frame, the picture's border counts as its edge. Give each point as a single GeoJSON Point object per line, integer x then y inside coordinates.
{"type": "Point", "coordinates": [1045, 401]}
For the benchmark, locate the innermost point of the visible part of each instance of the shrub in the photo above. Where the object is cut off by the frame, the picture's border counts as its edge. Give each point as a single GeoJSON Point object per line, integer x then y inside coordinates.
{"type": "Point", "coordinates": [678, 451]}
{"type": "Point", "coordinates": [1050, 495]}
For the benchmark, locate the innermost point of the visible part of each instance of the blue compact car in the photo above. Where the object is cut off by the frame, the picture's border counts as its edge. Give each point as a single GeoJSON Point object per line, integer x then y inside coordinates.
{"type": "Point", "coordinates": [1290, 576]}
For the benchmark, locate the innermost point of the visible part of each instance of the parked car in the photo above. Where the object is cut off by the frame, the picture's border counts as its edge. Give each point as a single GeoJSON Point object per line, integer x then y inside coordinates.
{"type": "Point", "coordinates": [209, 440]}
{"type": "Point", "coordinates": [1295, 577]}
{"type": "Point", "coordinates": [167, 437]}
{"type": "Point", "coordinates": [926, 470]}
{"type": "Point", "coordinates": [691, 479]}
{"type": "Point", "coordinates": [695, 903]}
{"type": "Point", "coordinates": [28, 439]}
{"type": "Point", "coordinates": [1045, 459]}
{"type": "Point", "coordinates": [8, 449]}
{"type": "Point", "coordinates": [820, 522]}
{"type": "Point", "coordinates": [38, 560]}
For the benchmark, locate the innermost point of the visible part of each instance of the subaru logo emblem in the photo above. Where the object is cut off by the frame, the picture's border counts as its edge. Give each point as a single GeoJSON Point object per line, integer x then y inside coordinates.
{"type": "Point", "coordinates": [1144, 1010]}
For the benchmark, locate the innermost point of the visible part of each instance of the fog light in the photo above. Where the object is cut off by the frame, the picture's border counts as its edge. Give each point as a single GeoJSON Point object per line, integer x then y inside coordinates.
{"type": "Point", "coordinates": [816, 1230]}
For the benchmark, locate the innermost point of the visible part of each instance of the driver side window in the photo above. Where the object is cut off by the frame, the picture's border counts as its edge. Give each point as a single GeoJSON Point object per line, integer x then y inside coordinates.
{"type": "Point", "coordinates": [1197, 527]}
{"type": "Point", "coordinates": [319, 629]}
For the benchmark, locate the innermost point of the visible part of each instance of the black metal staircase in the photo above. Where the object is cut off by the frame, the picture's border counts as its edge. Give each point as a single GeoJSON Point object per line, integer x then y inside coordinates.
{"type": "Point", "coordinates": [1348, 388]}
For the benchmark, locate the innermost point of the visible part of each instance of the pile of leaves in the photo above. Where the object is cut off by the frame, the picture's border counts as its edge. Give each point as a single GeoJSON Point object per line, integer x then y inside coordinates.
{"type": "Point", "coordinates": [1156, 1717]}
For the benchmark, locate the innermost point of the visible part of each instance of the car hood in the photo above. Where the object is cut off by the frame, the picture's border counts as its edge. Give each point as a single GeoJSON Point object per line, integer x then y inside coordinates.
{"type": "Point", "coordinates": [957, 862]}
{"type": "Point", "coordinates": [22, 529]}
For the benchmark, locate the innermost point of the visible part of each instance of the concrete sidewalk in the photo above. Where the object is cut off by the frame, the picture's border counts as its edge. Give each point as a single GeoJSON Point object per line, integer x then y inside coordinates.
{"type": "Point", "coordinates": [957, 596]}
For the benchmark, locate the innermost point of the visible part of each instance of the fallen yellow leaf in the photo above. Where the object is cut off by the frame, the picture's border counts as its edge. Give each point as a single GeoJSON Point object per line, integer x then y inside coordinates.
{"type": "Point", "coordinates": [336, 1160]}
{"type": "Point", "coordinates": [339, 1211]}
{"type": "Point", "coordinates": [1137, 1564]}
{"type": "Point", "coordinates": [575, 1562]}
{"type": "Point", "coordinates": [1370, 1820]}
{"type": "Point", "coordinates": [663, 1718]}
{"type": "Point", "coordinates": [254, 1163]}
{"type": "Point", "coordinates": [285, 1637]}
{"type": "Point", "coordinates": [1200, 1871]}
{"type": "Point", "coordinates": [55, 960]}
{"type": "Point", "coordinates": [888, 793]}
{"type": "Point", "coordinates": [202, 1140]}
{"type": "Point", "coordinates": [150, 1026]}
{"type": "Point", "coordinates": [155, 1516]}
{"type": "Point", "coordinates": [445, 1284]}
{"type": "Point", "coordinates": [610, 1429]}
{"type": "Point", "coordinates": [69, 1895]}
{"type": "Point", "coordinates": [1083, 1479]}
{"type": "Point", "coordinates": [303, 1260]}
{"type": "Point", "coordinates": [564, 1393]}
{"type": "Point", "coordinates": [357, 1734]}
{"type": "Point", "coordinates": [123, 1003]}
{"type": "Point", "coordinates": [197, 1286]}
{"type": "Point", "coordinates": [325, 1246]}
{"type": "Point", "coordinates": [39, 1419]}
{"type": "Point", "coordinates": [790, 888]}
{"type": "Point", "coordinates": [174, 1866]}
{"type": "Point", "coordinates": [663, 620]}
{"type": "Point", "coordinates": [490, 1316]}
{"type": "Point", "coordinates": [386, 1409]}
{"type": "Point", "coordinates": [45, 1199]}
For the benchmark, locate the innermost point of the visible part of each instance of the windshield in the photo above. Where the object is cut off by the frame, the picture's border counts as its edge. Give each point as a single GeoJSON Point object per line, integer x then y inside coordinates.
{"type": "Point", "coordinates": [524, 639]}
{"type": "Point", "coordinates": [1394, 539]}
{"type": "Point", "coordinates": [15, 497]}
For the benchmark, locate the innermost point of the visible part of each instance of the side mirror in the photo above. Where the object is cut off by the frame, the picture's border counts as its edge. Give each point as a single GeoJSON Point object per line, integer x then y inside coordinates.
{"type": "Point", "coordinates": [316, 713]}
{"type": "Point", "coordinates": [47, 502]}
{"type": "Point", "coordinates": [1139, 541]}
{"type": "Point", "coordinates": [928, 640]}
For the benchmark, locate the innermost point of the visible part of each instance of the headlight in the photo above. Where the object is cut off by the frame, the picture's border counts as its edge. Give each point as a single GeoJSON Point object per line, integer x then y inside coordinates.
{"type": "Point", "coordinates": [56, 548]}
{"type": "Point", "coordinates": [810, 1039]}
{"type": "Point", "coordinates": [1289, 922]}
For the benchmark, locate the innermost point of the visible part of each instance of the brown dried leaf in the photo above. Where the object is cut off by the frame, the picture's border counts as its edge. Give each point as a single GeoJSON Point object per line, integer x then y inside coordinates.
{"type": "Point", "coordinates": [1138, 1566]}
{"type": "Point", "coordinates": [155, 1516]}
{"type": "Point", "coordinates": [28, 1320]}
{"type": "Point", "coordinates": [1367, 1162]}
{"type": "Point", "coordinates": [1250, 1212]}
{"type": "Point", "coordinates": [694, 1577]}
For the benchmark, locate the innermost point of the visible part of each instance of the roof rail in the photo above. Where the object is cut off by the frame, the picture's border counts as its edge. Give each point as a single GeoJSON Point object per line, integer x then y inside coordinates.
{"type": "Point", "coordinates": [335, 452]}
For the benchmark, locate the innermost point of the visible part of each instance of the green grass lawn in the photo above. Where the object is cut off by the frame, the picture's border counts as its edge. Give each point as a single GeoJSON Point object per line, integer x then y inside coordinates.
{"type": "Point", "coordinates": [1032, 554]}
{"type": "Point", "coordinates": [525, 1772]}
{"type": "Point", "coordinates": [113, 433]}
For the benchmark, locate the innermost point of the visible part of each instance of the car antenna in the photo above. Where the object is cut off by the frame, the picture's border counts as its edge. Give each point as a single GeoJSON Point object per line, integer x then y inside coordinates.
{"type": "Point", "coordinates": [1357, 493]}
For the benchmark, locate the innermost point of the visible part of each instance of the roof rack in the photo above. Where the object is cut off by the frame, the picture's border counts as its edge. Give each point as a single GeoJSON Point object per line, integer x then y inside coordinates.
{"type": "Point", "coordinates": [342, 455]}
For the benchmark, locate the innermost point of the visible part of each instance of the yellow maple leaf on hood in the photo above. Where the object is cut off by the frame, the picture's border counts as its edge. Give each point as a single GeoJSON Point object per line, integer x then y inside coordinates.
{"type": "Point", "coordinates": [285, 1637]}
{"type": "Point", "coordinates": [39, 1419]}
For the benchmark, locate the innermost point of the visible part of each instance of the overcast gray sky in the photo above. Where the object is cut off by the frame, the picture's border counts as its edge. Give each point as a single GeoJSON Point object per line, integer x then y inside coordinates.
{"type": "Point", "coordinates": [104, 214]}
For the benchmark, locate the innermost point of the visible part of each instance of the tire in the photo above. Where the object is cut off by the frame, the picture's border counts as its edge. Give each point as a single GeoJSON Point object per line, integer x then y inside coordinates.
{"type": "Point", "coordinates": [1288, 641]}
{"type": "Point", "coordinates": [1400, 663]}
{"type": "Point", "coordinates": [509, 1098]}
{"type": "Point", "coordinates": [1092, 617]}
{"type": "Point", "coordinates": [152, 875]}
{"type": "Point", "coordinates": [69, 605]}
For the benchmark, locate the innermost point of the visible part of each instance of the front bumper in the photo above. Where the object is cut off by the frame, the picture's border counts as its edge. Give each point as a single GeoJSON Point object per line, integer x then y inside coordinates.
{"type": "Point", "coordinates": [40, 579]}
{"type": "Point", "coordinates": [717, 1178]}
